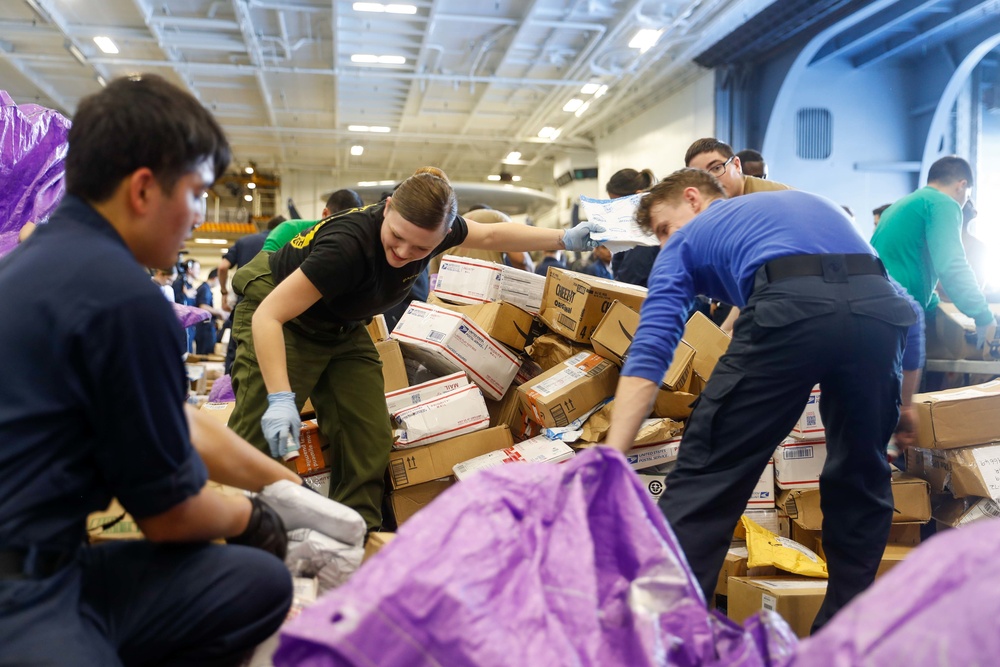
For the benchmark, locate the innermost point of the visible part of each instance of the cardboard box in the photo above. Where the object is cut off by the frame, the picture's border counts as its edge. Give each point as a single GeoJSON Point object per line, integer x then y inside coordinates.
{"type": "Point", "coordinates": [951, 334]}
{"type": "Point", "coordinates": [574, 303]}
{"type": "Point", "coordinates": [219, 411]}
{"type": "Point", "coordinates": [972, 471]}
{"type": "Point", "coordinates": [796, 599]}
{"type": "Point", "coordinates": [810, 424]}
{"type": "Point", "coordinates": [378, 329]}
{"type": "Point", "coordinates": [654, 484]}
{"type": "Point", "coordinates": [568, 391]}
{"type": "Point", "coordinates": [797, 465]}
{"type": "Point", "coordinates": [112, 525]}
{"type": "Point", "coordinates": [613, 337]}
{"type": "Point", "coordinates": [464, 280]}
{"type": "Point", "coordinates": [653, 454]}
{"type": "Point", "coordinates": [963, 511]}
{"type": "Point", "coordinates": [910, 498]}
{"type": "Point", "coordinates": [513, 414]}
{"type": "Point", "coordinates": [319, 482]}
{"type": "Point", "coordinates": [932, 466]}
{"type": "Point", "coordinates": [905, 533]}
{"type": "Point", "coordinates": [763, 494]}
{"type": "Point", "coordinates": [410, 396]}
{"type": "Point", "coordinates": [393, 368]}
{"type": "Point", "coordinates": [376, 542]}
{"type": "Point", "coordinates": [709, 343]}
{"type": "Point", "coordinates": [536, 450]}
{"type": "Point", "coordinates": [550, 350]}
{"type": "Point", "coordinates": [409, 467]}
{"type": "Point", "coordinates": [893, 555]}
{"type": "Point", "coordinates": [958, 417]}
{"type": "Point", "coordinates": [502, 321]}
{"type": "Point", "coordinates": [313, 448]}
{"type": "Point", "coordinates": [449, 415]}
{"type": "Point", "coordinates": [446, 342]}
{"type": "Point", "coordinates": [735, 565]}
{"type": "Point", "coordinates": [673, 404]}
{"type": "Point", "coordinates": [408, 501]}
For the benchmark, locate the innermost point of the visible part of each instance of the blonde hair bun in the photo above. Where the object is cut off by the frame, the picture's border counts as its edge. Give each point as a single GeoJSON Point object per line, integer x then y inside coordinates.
{"type": "Point", "coordinates": [433, 171]}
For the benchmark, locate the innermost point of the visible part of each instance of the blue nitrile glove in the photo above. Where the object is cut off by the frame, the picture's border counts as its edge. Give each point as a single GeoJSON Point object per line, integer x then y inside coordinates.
{"type": "Point", "coordinates": [281, 423]}
{"type": "Point", "coordinates": [578, 238]}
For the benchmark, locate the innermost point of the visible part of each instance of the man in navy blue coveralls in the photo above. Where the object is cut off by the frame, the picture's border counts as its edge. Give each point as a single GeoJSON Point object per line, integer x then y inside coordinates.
{"type": "Point", "coordinates": [92, 406]}
{"type": "Point", "coordinates": [816, 307]}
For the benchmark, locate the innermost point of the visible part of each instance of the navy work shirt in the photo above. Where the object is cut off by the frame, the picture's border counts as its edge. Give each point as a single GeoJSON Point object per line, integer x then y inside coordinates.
{"type": "Point", "coordinates": [245, 249]}
{"type": "Point", "coordinates": [93, 386]}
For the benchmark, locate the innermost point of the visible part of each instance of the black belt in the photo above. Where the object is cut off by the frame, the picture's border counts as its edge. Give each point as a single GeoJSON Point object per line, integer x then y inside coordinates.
{"type": "Point", "coordinates": [33, 563]}
{"type": "Point", "coordinates": [830, 266]}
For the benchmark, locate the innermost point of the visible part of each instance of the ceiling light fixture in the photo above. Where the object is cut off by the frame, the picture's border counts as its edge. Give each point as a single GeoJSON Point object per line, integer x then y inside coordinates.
{"type": "Point", "coordinates": [379, 128]}
{"type": "Point", "coordinates": [512, 156]}
{"type": "Point", "coordinates": [590, 88]}
{"type": "Point", "coordinates": [645, 39]}
{"type": "Point", "coordinates": [387, 182]}
{"type": "Point", "coordinates": [76, 52]}
{"type": "Point", "coordinates": [251, 185]}
{"type": "Point", "coordinates": [357, 150]}
{"type": "Point", "coordinates": [582, 110]}
{"type": "Point", "coordinates": [493, 177]}
{"type": "Point", "coordinates": [369, 59]}
{"type": "Point", "coordinates": [546, 132]}
{"type": "Point", "coordinates": [600, 92]}
{"type": "Point", "coordinates": [249, 170]}
{"type": "Point", "coordinates": [572, 105]}
{"type": "Point", "coordinates": [212, 242]}
{"type": "Point", "coordinates": [105, 44]}
{"type": "Point", "coordinates": [379, 7]}
{"type": "Point", "coordinates": [248, 197]}
{"type": "Point", "coordinates": [367, 184]}
{"type": "Point", "coordinates": [516, 179]}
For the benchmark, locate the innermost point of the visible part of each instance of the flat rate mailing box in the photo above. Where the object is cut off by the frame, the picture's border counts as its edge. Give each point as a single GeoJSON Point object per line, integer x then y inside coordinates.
{"type": "Point", "coordinates": [613, 337]}
{"type": "Point", "coordinates": [408, 467]}
{"type": "Point", "coordinates": [796, 599]}
{"type": "Point", "coordinates": [465, 280]}
{"type": "Point", "coordinates": [446, 342]}
{"type": "Point", "coordinates": [763, 494]}
{"type": "Point", "coordinates": [810, 424]}
{"type": "Point", "coordinates": [797, 465]}
{"type": "Point", "coordinates": [574, 303]}
{"type": "Point", "coordinates": [958, 417]}
{"type": "Point", "coordinates": [569, 390]}
{"type": "Point", "coordinates": [536, 450]}
{"type": "Point", "coordinates": [502, 321]}
{"type": "Point", "coordinates": [449, 415]}
{"type": "Point", "coordinates": [405, 398]}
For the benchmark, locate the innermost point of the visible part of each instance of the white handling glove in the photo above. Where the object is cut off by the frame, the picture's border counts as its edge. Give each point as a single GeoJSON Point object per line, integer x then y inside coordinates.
{"type": "Point", "coordinates": [300, 507]}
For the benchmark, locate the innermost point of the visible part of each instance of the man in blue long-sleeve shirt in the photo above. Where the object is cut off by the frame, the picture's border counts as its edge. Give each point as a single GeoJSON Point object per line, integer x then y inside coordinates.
{"type": "Point", "coordinates": [816, 307]}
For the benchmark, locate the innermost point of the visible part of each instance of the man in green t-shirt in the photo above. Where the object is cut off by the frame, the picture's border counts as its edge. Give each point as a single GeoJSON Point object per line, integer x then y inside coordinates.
{"type": "Point", "coordinates": [919, 239]}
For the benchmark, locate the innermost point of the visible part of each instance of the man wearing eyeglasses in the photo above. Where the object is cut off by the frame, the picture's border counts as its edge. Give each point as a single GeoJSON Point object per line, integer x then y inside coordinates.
{"type": "Point", "coordinates": [718, 159]}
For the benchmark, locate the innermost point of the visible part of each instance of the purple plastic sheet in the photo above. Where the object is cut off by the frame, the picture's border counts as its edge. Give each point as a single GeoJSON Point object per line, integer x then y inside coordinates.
{"type": "Point", "coordinates": [938, 608]}
{"type": "Point", "coordinates": [190, 315]}
{"type": "Point", "coordinates": [222, 391]}
{"type": "Point", "coordinates": [33, 148]}
{"type": "Point", "coordinates": [531, 565]}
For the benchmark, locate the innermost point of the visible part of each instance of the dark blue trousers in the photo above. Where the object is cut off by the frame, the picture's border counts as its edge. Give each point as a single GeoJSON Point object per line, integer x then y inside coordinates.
{"type": "Point", "coordinates": [847, 335]}
{"type": "Point", "coordinates": [137, 603]}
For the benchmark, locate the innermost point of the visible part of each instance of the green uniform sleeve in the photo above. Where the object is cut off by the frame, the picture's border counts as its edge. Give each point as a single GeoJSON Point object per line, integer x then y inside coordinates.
{"type": "Point", "coordinates": [944, 242]}
{"type": "Point", "coordinates": [285, 232]}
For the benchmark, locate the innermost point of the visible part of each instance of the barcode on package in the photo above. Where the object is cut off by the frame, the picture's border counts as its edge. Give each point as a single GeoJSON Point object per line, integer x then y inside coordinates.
{"type": "Point", "coordinates": [398, 472]}
{"type": "Point", "coordinates": [768, 602]}
{"type": "Point", "coordinates": [567, 322]}
{"type": "Point", "coordinates": [810, 420]}
{"type": "Point", "coordinates": [436, 335]}
{"type": "Point", "coordinates": [804, 452]}
{"type": "Point", "coordinates": [990, 508]}
{"type": "Point", "coordinates": [559, 415]}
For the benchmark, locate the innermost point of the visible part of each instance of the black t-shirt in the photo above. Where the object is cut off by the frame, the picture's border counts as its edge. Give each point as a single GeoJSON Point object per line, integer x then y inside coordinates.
{"type": "Point", "coordinates": [344, 258]}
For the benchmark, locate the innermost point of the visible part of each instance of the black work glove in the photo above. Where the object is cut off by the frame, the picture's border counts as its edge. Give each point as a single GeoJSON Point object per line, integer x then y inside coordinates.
{"type": "Point", "coordinates": [265, 530]}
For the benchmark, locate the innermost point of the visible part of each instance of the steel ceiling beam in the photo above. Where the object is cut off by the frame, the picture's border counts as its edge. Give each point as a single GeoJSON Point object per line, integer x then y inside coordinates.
{"type": "Point", "coordinates": [62, 24]}
{"type": "Point", "coordinates": [38, 82]}
{"type": "Point", "coordinates": [146, 12]}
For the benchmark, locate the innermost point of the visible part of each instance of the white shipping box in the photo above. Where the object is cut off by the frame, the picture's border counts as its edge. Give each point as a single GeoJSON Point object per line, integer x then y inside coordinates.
{"type": "Point", "coordinates": [810, 424]}
{"type": "Point", "coordinates": [446, 342]}
{"type": "Point", "coordinates": [797, 464]}
{"type": "Point", "coordinates": [763, 494]}
{"type": "Point", "coordinates": [523, 289]}
{"type": "Point", "coordinates": [536, 450]}
{"type": "Point", "coordinates": [653, 454]}
{"type": "Point", "coordinates": [655, 484]}
{"type": "Point", "coordinates": [405, 398]}
{"type": "Point", "coordinates": [449, 415]}
{"type": "Point", "coordinates": [469, 281]}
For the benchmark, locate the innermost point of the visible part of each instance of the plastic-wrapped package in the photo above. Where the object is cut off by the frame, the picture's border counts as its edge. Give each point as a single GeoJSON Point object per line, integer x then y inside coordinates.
{"type": "Point", "coordinates": [312, 554]}
{"type": "Point", "coordinates": [937, 608]}
{"type": "Point", "coordinates": [222, 391]}
{"type": "Point", "coordinates": [300, 507]}
{"type": "Point", "coordinates": [32, 165]}
{"type": "Point", "coordinates": [544, 565]}
{"type": "Point", "coordinates": [190, 315]}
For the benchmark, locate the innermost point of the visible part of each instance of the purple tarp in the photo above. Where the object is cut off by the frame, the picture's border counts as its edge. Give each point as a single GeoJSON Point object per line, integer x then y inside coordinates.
{"type": "Point", "coordinates": [222, 391]}
{"type": "Point", "coordinates": [531, 565]}
{"type": "Point", "coordinates": [32, 164]}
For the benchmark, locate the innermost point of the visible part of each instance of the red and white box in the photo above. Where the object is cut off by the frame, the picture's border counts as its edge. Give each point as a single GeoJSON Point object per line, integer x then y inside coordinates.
{"type": "Point", "coordinates": [810, 424]}
{"type": "Point", "coordinates": [405, 398]}
{"type": "Point", "coordinates": [451, 414]}
{"type": "Point", "coordinates": [762, 497]}
{"type": "Point", "coordinates": [536, 450]}
{"type": "Point", "coordinates": [798, 464]}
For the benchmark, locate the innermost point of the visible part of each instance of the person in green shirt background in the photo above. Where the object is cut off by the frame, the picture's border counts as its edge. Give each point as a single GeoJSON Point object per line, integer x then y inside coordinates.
{"type": "Point", "coordinates": [341, 200]}
{"type": "Point", "coordinates": [919, 239]}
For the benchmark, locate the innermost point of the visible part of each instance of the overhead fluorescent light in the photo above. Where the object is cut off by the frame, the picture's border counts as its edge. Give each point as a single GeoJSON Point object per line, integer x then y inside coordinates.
{"type": "Point", "coordinates": [513, 156]}
{"type": "Point", "coordinates": [516, 179]}
{"type": "Point", "coordinates": [368, 128]}
{"type": "Point", "coordinates": [387, 182]}
{"type": "Point", "coordinates": [572, 105]}
{"type": "Point", "coordinates": [546, 132]}
{"type": "Point", "coordinates": [555, 134]}
{"type": "Point", "coordinates": [369, 59]}
{"type": "Point", "coordinates": [645, 39]}
{"type": "Point", "coordinates": [493, 177]}
{"type": "Point", "coordinates": [105, 44]}
{"type": "Point", "coordinates": [600, 92]}
{"type": "Point", "coordinates": [366, 184]}
{"type": "Point", "coordinates": [75, 52]}
{"type": "Point", "coordinates": [582, 110]}
{"type": "Point", "coordinates": [248, 197]}
{"type": "Point", "coordinates": [590, 88]}
{"type": "Point", "coordinates": [204, 195]}
{"type": "Point", "coordinates": [379, 7]}
{"type": "Point", "coordinates": [212, 241]}
{"type": "Point", "coordinates": [357, 150]}
{"type": "Point", "coordinates": [251, 185]}
{"type": "Point", "coordinates": [379, 128]}
{"type": "Point", "coordinates": [249, 170]}
{"type": "Point", "coordinates": [357, 128]}
{"type": "Point", "coordinates": [102, 81]}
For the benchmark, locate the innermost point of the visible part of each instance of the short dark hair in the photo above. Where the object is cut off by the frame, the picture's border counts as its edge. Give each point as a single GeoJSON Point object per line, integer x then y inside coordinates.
{"type": "Point", "coordinates": [625, 182]}
{"type": "Point", "coordinates": [707, 145]}
{"type": "Point", "coordinates": [750, 155]}
{"type": "Point", "coordinates": [341, 200]}
{"type": "Point", "coordinates": [879, 210]}
{"type": "Point", "coordinates": [140, 121]}
{"type": "Point", "coordinates": [214, 273]}
{"type": "Point", "coordinates": [950, 169]}
{"type": "Point", "coordinates": [670, 189]}
{"type": "Point", "coordinates": [275, 221]}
